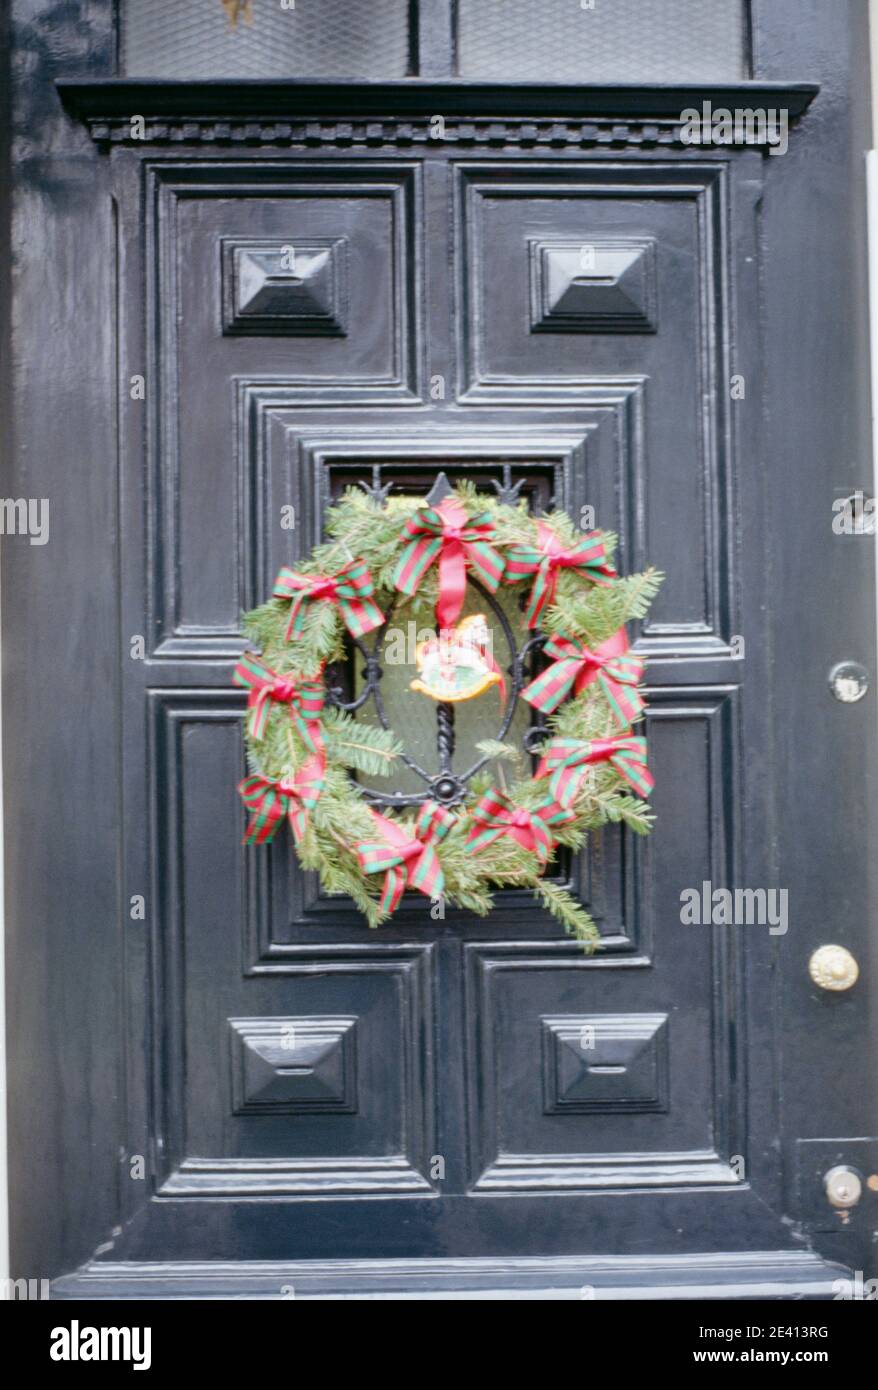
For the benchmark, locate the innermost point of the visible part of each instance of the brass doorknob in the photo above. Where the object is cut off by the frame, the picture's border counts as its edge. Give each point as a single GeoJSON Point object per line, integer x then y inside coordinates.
{"type": "Point", "coordinates": [833, 967]}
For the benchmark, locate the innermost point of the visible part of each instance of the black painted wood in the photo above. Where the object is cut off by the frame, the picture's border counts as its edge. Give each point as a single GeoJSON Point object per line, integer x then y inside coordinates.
{"type": "Point", "coordinates": [252, 99]}
{"type": "Point", "coordinates": [164, 1037]}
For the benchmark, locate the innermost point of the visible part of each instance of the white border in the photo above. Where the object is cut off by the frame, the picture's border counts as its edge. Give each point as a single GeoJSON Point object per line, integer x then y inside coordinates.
{"type": "Point", "coordinates": [4, 1173]}
{"type": "Point", "coordinates": [872, 226]}
{"type": "Point", "coordinates": [872, 187]}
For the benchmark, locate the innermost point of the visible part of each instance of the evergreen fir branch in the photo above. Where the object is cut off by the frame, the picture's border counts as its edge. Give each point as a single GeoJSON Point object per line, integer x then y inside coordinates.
{"type": "Point", "coordinates": [586, 716]}
{"type": "Point", "coordinates": [473, 900]}
{"type": "Point", "coordinates": [375, 762]}
{"type": "Point", "coordinates": [638, 592]}
{"type": "Point", "coordinates": [343, 881]}
{"type": "Point", "coordinates": [570, 913]}
{"type": "Point", "coordinates": [319, 641]}
{"type": "Point", "coordinates": [482, 782]}
{"type": "Point", "coordinates": [572, 835]}
{"type": "Point", "coordinates": [595, 612]}
{"type": "Point", "coordinates": [493, 748]}
{"type": "Point", "coordinates": [356, 744]}
{"type": "Point", "coordinates": [618, 806]}
{"type": "Point", "coordinates": [591, 614]}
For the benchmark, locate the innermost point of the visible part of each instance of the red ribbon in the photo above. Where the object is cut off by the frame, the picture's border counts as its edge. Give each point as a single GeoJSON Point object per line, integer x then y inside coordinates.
{"type": "Point", "coordinates": [351, 590]}
{"type": "Point", "coordinates": [452, 563]}
{"type": "Point", "coordinates": [522, 826]}
{"type": "Point", "coordinates": [304, 697]}
{"type": "Point", "coordinates": [593, 662]}
{"type": "Point", "coordinates": [547, 557]}
{"type": "Point", "coordinates": [460, 541]}
{"type": "Point", "coordinates": [269, 800]}
{"type": "Point", "coordinates": [494, 816]}
{"type": "Point", "coordinates": [566, 761]}
{"type": "Point", "coordinates": [407, 861]}
{"type": "Point", "coordinates": [576, 666]}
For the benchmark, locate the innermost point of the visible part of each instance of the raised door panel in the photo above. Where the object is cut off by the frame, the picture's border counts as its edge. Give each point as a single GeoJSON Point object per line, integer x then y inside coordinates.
{"type": "Point", "coordinates": [296, 274]}
{"type": "Point", "coordinates": [317, 1074]}
{"type": "Point", "coordinates": [318, 1082]}
{"type": "Point", "coordinates": [623, 1070]}
{"type": "Point", "coordinates": [579, 280]}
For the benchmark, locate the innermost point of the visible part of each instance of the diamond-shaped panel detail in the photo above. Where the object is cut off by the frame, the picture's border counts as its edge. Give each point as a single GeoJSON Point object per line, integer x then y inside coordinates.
{"type": "Point", "coordinates": [293, 1066]}
{"type": "Point", "coordinates": [604, 285]}
{"type": "Point", "coordinates": [604, 1062]}
{"type": "Point", "coordinates": [285, 288]}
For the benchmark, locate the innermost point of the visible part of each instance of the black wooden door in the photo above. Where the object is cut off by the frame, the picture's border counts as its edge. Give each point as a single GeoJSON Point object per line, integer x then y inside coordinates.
{"type": "Point", "coordinates": [551, 287]}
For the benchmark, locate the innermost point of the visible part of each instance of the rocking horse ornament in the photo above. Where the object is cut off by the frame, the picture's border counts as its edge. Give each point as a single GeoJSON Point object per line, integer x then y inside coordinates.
{"type": "Point", "coordinates": [457, 665]}
{"type": "Point", "coordinates": [552, 599]}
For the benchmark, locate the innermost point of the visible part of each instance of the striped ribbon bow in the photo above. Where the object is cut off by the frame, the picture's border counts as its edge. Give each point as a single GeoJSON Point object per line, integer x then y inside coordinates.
{"type": "Point", "coordinates": [459, 542]}
{"type": "Point", "coordinates": [495, 815]}
{"type": "Point", "coordinates": [547, 557]}
{"type": "Point", "coordinates": [268, 801]}
{"type": "Point", "coordinates": [351, 589]}
{"type": "Point", "coordinates": [575, 667]}
{"type": "Point", "coordinates": [407, 861]}
{"type": "Point", "coordinates": [304, 697]}
{"type": "Point", "coordinates": [567, 761]}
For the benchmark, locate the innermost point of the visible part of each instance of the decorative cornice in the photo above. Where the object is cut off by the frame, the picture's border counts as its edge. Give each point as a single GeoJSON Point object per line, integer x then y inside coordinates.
{"type": "Point", "coordinates": [408, 113]}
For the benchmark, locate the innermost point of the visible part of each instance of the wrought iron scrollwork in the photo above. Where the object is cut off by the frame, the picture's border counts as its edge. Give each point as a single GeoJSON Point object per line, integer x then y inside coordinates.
{"type": "Point", "coordinates": [447, 785]}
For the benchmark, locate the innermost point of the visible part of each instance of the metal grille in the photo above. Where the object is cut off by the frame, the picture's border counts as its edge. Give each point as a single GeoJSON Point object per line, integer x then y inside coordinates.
{"type": "Point", "coordinates": [607, 41]}
{"type": "Point", "coordinates": [223, 38]}
{"type": "Point", "coordinates": [441, 740]}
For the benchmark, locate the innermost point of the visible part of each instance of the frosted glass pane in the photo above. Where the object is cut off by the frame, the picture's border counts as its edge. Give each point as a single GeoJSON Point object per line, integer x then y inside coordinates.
{"type": "Point", "coordinates": [615, 41]}
{"type": "Point", "coordinates": [226, 38]}
{"type": "Point", "coordinates": [412, 715]}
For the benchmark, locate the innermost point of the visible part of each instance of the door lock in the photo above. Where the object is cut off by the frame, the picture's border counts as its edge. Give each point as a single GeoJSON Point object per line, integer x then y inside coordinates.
{"type": "Point", "coordinates": [833, 967]}
{"type": "Point", "coordinates": [843, 1186]}
{"type": "Point", "coordinates": [849, 682]}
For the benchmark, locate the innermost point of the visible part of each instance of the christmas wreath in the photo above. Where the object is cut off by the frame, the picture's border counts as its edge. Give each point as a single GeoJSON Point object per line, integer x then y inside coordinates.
{"type": "Point", "coordinates": [392, 558]}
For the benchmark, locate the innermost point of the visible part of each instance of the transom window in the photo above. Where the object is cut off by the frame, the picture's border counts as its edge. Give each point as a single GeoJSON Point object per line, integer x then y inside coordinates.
{"type": "Point", "coordinates": [572, 41]}
{"type": "Point", "coordinates": [267, 38]}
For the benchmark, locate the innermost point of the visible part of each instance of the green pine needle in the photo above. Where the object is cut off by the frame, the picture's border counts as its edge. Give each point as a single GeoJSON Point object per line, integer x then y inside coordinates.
{"type": "Point", "coordinates": [570, 913]}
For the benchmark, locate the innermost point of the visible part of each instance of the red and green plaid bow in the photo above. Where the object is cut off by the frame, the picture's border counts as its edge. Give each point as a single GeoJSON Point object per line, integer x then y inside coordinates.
{"type": "Point", "coordinates": [568, 760]}
{"type": "Point", "coordinates": [407, 861]}
{"type": "Point", "coordinates": [351, 590]}
{"type": "Point", "coordinates": [269, 801]}
{"type": "Point", "coordinates": [576, 666]}
{"type": "Point", "coordinates": [304, 697]}
{"type": "Point", "coordinates": [495, 815]}
{"type": "Point", "coordinates": [459, 542]}
{"type": "Point", "coordinates": [549, 556]}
